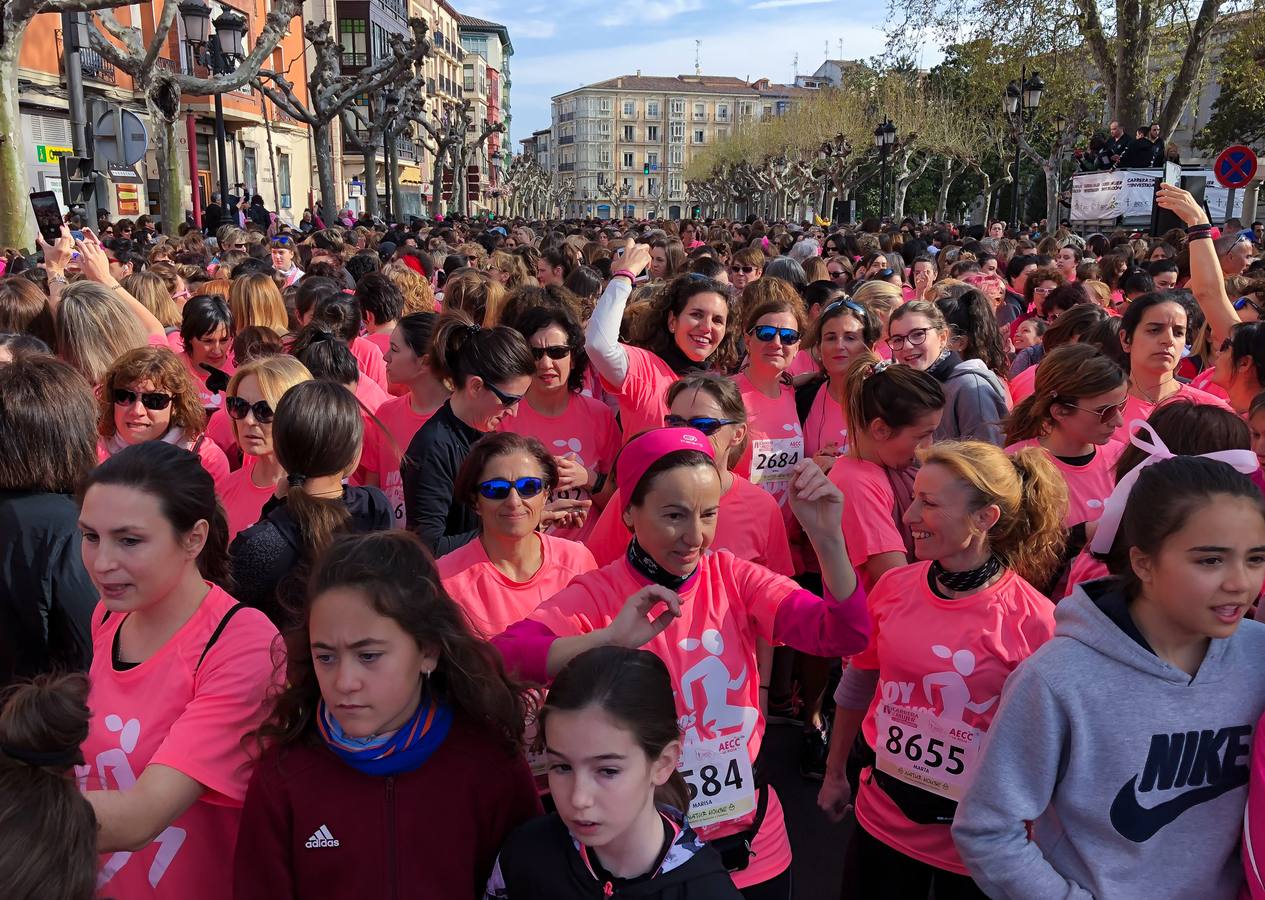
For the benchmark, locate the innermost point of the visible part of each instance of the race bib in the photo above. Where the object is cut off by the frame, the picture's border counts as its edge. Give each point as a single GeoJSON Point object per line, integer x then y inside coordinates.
{"type": "Point", "coordinates": [718, 774]}
{"type": "Point", "coordinates": [921, 748]}
{"type": "Point", "coordinates": [394, 489]}
{"type": "Point", "coordinates": [772, 460]}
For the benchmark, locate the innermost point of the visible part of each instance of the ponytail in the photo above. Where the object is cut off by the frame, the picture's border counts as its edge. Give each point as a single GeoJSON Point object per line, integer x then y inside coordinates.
{"type": "Point", "coordinates": [462, 349]}
{"type": "Point", "coordinates": [877, 389]}
{"type": "Point", "coordinates": [1067, 375]}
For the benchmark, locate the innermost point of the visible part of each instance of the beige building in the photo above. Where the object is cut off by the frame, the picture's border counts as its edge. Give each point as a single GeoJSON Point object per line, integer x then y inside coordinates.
{"type": "Point", "coordinates": [627, 141]}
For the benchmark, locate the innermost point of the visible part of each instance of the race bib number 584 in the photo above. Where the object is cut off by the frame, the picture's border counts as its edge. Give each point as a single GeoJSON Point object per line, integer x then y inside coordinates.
{"type": "Point", "coordinates": [719, 777]}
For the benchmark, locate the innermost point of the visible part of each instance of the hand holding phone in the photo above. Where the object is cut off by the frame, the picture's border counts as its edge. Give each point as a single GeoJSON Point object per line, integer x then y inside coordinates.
{"type": "Point", "coordinates": [48, 217]}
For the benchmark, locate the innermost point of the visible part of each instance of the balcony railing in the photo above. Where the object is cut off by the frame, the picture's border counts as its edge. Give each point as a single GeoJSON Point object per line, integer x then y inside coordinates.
{"type": "Point", "coordinates": [566, 167]}
{"type": "Point", "coordinates": [91, 63]}
{"type": "Point", "coordinates": [566, 117]}
{"type": "Point", "coordinates": [567, 139]}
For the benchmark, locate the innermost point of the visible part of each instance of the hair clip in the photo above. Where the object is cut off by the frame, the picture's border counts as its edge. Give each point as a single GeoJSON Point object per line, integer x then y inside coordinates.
{"type": "Point", "coordinates": [295, 479]}
{"type": "Point", "coordinates": [879, 366]}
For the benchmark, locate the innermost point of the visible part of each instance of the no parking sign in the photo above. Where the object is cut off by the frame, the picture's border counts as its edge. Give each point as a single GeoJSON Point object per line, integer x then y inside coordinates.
{"type": "Point", "coordinates": [1235, 166]}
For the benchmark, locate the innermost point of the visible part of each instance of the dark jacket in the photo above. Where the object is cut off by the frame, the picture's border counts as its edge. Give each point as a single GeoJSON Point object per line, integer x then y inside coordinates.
{"type": "Point", "coordinates": [315, 828]}
{"type": "Point", "coordinates": [1143, 154]}
{"type": "Point", "coordinates": [427, 471]}
{"type": "Point", "coordinates": [212, 218]}
{"type": "Point", "coordinates": [1113, 147]}
{"type": "Point", "coordinates": [46, 596]}
{"type": "Point", "coordinates": [257, 214]}
{"type": "Point", "coordinates": [267, 557]}
{"type": "Point", "coordinates": [542, 861]}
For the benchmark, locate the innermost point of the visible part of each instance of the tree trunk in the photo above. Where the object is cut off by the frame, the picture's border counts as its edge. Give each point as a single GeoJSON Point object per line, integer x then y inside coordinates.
{"type": "Point", "coordinates": [272, 156]}
{"type": "Point", "coordinates": [393, 180]}
{"type": "Point", "coordinates": [946, 184]}
{"type": "Point", "coordinates": [987, 191]}
{"type": "Point", "coordinates": [170, 171]}
{"type": "Point", "coordinates": [16, 221]}
{"type": "Point", "coordinates": [437, 182]}
{"type": "Point", "coordinates": [1051, 196]}
{"type": "Point", "coordinates": [1133, 52]}
{"type": "Point", "coordinates": [371, 178]}
{"type": "Point", "coordinates": [325, 170]}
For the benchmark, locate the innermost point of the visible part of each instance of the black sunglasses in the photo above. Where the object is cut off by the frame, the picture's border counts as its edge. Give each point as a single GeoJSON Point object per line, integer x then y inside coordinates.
{"type": "Point", "coordinates": [149, 400]}
{"type": "Point", "coordinates": [499, 488]}
{"type": "Point", "coordinates": [705, 424]}
{"type": "Point", "coordinates": [237, 409]}
{"type": "Point", "coordinates": [745, 270]}
{"type": "Point", "coordinates": [884, 273]}
{"type": "Point", "coordinates": [561, 351]}
{"type": "Point", "coordinates": [767, 333]}
{"type": "Point", "coordinates": [507, 400]}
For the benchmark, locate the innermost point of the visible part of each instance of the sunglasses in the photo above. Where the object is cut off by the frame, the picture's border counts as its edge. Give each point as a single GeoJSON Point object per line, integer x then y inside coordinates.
{"type": "Point", "coordinates": [915, 338]}
{"type": "Point", "coordinates": [507, 400]}
{"type": "Point", "coordinates": [745, 270]}
{"type": "Point", "coordinates": [561, 351]}
{"type": "Point", "coordinates": [1247, 301]}
{"type": "Point", "coordinates": [237, 409]}
{"type": "Point", "coordinates": [154, 401]}
{"type": "Point", "coordinates": [767, 333]}
{"type": "Point", "coordinates": [837, 273]}
{"type": "Point", "coordinates": [705, 424]}
{"type": "Point", "coordinates": [281, 241]}
{"type": "Point", "coordinates": [884, 273]}
{"type": "Point", "coordinates": [1105, 414]}
{"type": "Point", "coordinates": [499, 488]}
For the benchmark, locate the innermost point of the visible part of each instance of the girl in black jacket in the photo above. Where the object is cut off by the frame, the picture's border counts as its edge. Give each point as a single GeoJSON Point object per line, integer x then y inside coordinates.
{"type": "Point", "coordinates": [610, 733]}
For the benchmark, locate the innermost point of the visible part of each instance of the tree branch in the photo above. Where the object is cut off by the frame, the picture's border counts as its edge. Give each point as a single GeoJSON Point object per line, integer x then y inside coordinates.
{"type": "Point", "coordinates": [1192, 61]}
{"type": "Point", "coordinates": [161, 30]}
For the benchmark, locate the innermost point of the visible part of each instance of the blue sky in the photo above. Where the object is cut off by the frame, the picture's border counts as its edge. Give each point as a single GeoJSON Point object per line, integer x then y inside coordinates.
{"type": "Point", "coordinates": [562, 44]}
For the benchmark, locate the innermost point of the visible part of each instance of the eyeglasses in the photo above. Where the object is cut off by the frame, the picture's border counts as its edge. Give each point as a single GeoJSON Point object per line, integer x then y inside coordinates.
{"type": "Point", "coordinates": [499, 488]}
{"type": "Point", "coordinates": [1042, 290]}
{"type": "Point", "coordinates": [507, 400]}
{"type": "Point", "coordinates": [745, 270]}
{"type": "Point", "coordinates": [915, 338]}
{"type": "Point", "coordinates": [237, 409]}
{"type": "Point", "coordinates": [561, 351]}
{"type": "Point", "coordinates": [154, 401]}
{"type": "Point", "coordinates": [705, 424]}
{"type": "Point", "coordinates": [767, 333]}
{"type": "Point", "coordinates": [1105, 413]}
{"type": "Point", "coordinates": [1247, 301]}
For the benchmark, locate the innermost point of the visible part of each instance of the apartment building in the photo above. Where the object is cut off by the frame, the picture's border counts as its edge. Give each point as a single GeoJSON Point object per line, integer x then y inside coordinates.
{"type": "Point", "coordinates": [486, 66]}
{"type": "Point", "coordinates": [626, 141]}
{"type": "Point", "coordinates": [537, 147]}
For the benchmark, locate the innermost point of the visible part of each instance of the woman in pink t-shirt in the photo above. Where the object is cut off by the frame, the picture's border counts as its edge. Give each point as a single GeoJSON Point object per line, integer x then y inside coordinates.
{"type": "Point", "coordinates": [408, 366]}
{"type": "Point", "coordinates": [579, 431]}
{"type": "Point", "coordinates": [1239, 368]}
{"type": "Point", "coordinates": [773, 323]}
{"type": "Point", "coordinates": [147, 395]}
{"type": "Point", "coordinates": [844, 329]}
{"type": "Point", "coordinates": [178, 678]}
{"type": "Point", "coordinates": [684, 328]}
{"type": "Point", "coordinates": [948, 630]}
{"type": "Point", "coordinates": [510, 567]}
{"type": "Point", "coordinates": [206, 332]}
{"type": "Point", "coordinates": [710, 607]}
{"type": "Point", "coordinates": [253, 394]}
{"type": "Point", "coordinates": [1075, 409]}
{"type": "Point", "coordinates": [895, 410]}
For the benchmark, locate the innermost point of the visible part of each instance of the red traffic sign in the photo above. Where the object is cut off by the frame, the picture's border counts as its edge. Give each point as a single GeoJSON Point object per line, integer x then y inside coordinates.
{"type": "Point", "coordinates": [1235, 166]}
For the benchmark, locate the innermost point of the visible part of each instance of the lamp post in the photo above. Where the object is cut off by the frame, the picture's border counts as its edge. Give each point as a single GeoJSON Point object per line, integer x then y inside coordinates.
{"type": "Point", "coordinates": [1022, 96]}
{"type": "Point", "coordinates": [884, 142]}
{"type": "Point", "coordinates": [219, 52]}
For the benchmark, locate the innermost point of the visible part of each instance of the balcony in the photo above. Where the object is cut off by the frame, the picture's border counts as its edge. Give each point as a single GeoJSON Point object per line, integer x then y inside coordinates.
{"type": "Point", "coordinates": [91, 63]}
{"type": "Point", "coordinates": [566, 167]}
{"type": "Point", "coordinates": [567, 139]}
{"type": "Point", "coordinates": [566, 117]}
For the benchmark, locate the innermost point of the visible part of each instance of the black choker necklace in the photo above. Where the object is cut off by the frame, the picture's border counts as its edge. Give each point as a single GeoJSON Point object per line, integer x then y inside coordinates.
{"type": "Point", "coordinates": [644, 563]}
{"type": "Point", "coordinates": [970, 580]}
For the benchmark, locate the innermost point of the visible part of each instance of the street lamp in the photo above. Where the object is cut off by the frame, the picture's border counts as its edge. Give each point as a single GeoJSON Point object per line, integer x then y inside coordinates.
{"type": "Point", "coordinates": [1021, 97]}
{"type": "Point", "coordinates": [884, 142]}
{"type": "Point", "coordinates": [220, 53]}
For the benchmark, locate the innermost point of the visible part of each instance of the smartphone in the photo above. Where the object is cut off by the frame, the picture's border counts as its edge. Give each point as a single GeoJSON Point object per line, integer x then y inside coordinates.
{"type": "Point", "coordinates": [48, 217]}
{"type": "Point", "coordinates": [77, 235]}
{"type": "Point", "coordinates": [1162, 220]}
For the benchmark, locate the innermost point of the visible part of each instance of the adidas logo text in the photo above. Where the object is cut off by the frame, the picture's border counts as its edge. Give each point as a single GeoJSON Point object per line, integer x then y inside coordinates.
{"type": "Point", "coordinates": [321, 838]}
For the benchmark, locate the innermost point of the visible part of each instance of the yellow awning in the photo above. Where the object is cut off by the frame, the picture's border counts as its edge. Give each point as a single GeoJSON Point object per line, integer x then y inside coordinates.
{"type": "Point", "coordinates": [410, 174]}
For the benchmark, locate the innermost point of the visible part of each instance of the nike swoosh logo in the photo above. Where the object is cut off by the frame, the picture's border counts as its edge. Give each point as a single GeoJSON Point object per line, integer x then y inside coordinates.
{"type": "Point", "coordinates": [1139, 823]}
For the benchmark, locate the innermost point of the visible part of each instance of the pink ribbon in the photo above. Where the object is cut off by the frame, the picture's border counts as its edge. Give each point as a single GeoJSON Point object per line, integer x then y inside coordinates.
{"type": "Point", "coordinates": [1244, 461]}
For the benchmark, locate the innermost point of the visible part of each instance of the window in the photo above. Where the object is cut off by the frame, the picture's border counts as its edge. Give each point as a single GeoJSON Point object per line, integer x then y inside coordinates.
{"type": "Point", "coordinates": [604, 156]}
{"type": "Point", "coordinates": [628, 182]}
{"type": "Point", "coordinates": [630, 108]}
{"type": "Point", "coordinates": [746, 110]}
{"type": "Point", "coordinates": [283, 179]}
{"type": "Point", "coordinates": [678, 107]}
{"type": "Point", "coordinates": [674, 184]}
{"type": "Point", "coordinates": [652, 109]}
{"type": "Point", "coordinates": [653, 159]}
{"type": "Point", "coordinates": [700, 110]}
{"type": "Point", "coordinates": [354, 40]}
{"type": "Point", "coordinates": [698, 135]}
{"type": "Point", "coordinates": [722, 133]}
{"type": "Point", "coordinates": [652, 186]}
{"type": "Point", "coordinates": [628, 160]}
{"type": "Point", "coordinates": [604, 104]}
{"type": "Point", "coordinates": [628, 133]}
{"type": "Point", "coordinates": [468, 78]}
{"type": "Point", "coordinates": [604, 128]}
{"type": "Point", "coordinates": [250, 169]}
{"type": "Point", "coordinates": [674, 156]}
{"type": "Point", "coordinates": [381, 42]}
{"type": "Point", "coordinates": [768, 110]}
{"type": "Point", "coordinates": [652, 134]}
{"type": "Point", "coordinates": [678, 131]}
{"type": "Point", "coordinates": [722, 112]}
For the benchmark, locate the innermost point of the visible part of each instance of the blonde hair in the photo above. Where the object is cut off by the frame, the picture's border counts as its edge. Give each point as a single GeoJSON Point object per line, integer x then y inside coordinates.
{"type": "Point", "coordinates": [255, 300]}
{"type": "Point", "coordinates": [878, 295]}
{"type": "Point", "coordinates": [513, 267]}
{"type": "Point", "coordinates": [275, 374]}
{"type": "Point", "coordinates": [1030, 494]}
{"type": "Point", "coordinates": [151, 290]}
{"type": "Point", "coordinates": [93, 328]}
{"type": "Point", "coordinates": [418, 296]}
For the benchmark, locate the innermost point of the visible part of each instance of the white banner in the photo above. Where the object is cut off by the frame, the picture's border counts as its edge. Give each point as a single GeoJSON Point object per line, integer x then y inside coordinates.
{"type": "Point", "coordinates": [1106, 195]}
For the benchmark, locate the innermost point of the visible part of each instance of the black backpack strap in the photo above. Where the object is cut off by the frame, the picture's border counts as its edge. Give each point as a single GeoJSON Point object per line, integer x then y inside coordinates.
{"type": "Point", "coordinates": [219, 629]}
{"type": "Point", "coordinates": [198, 444]}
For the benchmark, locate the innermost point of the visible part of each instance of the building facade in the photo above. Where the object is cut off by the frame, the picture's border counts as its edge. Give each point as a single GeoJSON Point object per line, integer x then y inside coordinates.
{"type": "Point", "coordinates": [627, 141]}
{"type": "Point", "coordinates": [487, 64]}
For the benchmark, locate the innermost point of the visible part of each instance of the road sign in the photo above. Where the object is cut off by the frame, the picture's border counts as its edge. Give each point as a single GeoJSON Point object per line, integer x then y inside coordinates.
{"type": "Point", "coordinates": [1235, 166]}
{"type": "Point", "coordinates": [135, 138]}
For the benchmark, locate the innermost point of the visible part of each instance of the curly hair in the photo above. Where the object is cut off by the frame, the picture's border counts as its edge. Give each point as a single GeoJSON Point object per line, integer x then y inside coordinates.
{"type": "Point", "coordinates": [650, 330]}
{"type": "Point", "coordinates": [163, 368]}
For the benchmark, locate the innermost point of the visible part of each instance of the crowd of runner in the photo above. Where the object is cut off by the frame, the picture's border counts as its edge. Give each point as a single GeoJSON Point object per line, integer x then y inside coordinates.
{"type": "Point", "coordinates": [474, 559]}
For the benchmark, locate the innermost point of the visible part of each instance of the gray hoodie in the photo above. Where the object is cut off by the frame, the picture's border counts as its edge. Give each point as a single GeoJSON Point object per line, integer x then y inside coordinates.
{"type": "Point", "coordinates": [974, 404]}
{"type": "Point", "coordinates": [1133, 774]}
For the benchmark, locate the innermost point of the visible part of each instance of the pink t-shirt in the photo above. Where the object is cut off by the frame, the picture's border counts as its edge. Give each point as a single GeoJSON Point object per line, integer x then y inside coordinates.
{"type": "Point", "coordinates": [171, 711]}
{"type": "Point", "coordinates": [382, 454]}
{"type": "Point", "coordinates": [1136, 408]}
{"type": "Point", "coordinates": [491, 600]}
{"type": "Point", "coordinates": [370, 394]}
{"type": "Point", "coordinates": [710, 652]}
{"type": "Point", "coordinates": [370, 362]}
{"type": "Point", "coordinates": [776, 441]}
{"type": "Point", "coordinates": [1203, 382]}
{"type": "Point", "coordinates": [869, 523]}
{"type": "Point", "coordinates": [219, 428]}
{"type": "Point", "coordinates": [749, 525]}
{"type": "Point", "coordinates": [586, 431]}
{"type": "Point", "coordinates": [826, 425]}
{"type": "Point", "coordinates": [381, 340]}
{"type": "Point", "coordinates": [641, 397]}
{"type": "Point", "coordinates": [950, 657]}
{"type": "Point", "coordinates": [243, 500]}
{"type": "Point", "coordinates": [1088, 486]}
{"type": "Point", "coordinates": [200, 375]}
{"type": "Point", "coordinates": [804, 364]}
{"type": "Point", "coordinates": [1084, 568]}
{"type": "Point", "coordinates": [209, 453]}
{"type": "Point", "coordinates": [1022, 385]}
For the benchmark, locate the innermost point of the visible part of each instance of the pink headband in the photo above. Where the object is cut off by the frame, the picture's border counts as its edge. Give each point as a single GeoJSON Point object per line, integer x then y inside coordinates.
{"type": "Point", "coordinates": [645, 450]}
{"type": "Point", "coordinates": [1113, 510]}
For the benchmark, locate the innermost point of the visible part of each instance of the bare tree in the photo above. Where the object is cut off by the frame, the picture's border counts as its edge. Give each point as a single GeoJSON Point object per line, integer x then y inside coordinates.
{"type": "Point", "coordinates": [447, 137]}
{"type": "Point", "coordinates": [330, 91]}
